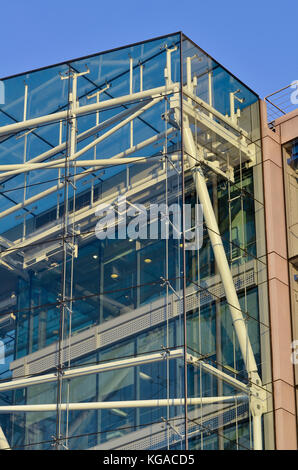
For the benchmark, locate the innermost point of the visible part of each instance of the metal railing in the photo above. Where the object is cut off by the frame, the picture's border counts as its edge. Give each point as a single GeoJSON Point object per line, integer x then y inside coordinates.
{"type": "Point", "coordinates": [282, 101]}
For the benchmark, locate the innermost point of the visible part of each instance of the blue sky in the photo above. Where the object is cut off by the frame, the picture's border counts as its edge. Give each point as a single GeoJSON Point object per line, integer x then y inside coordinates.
{"type": "Point", "coordinates": [257, 40]}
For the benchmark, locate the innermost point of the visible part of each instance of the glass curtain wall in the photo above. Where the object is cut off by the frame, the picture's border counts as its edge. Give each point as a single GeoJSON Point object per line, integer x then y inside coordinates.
{"type": "Point", "coordinates": [223, 116]}
{"type": "Point", "coordinates": [105, 300]}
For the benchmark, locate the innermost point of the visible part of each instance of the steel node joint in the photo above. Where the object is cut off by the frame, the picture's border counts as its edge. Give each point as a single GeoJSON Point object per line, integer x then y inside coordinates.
{"type": "Point", "coordinates": [258, 395]}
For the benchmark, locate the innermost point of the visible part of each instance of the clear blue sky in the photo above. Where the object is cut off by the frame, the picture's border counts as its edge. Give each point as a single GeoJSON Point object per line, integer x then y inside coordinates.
{"type": "Point", "coordinates": [257, 40]}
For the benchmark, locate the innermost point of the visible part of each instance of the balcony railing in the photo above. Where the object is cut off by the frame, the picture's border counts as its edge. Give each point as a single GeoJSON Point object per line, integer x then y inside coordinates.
{"type": "Point", "coordinates": [282, 102]}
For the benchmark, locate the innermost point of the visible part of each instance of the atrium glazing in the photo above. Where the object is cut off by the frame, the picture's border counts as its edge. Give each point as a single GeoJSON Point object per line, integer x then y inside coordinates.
{"type": "Point", "coordinates": [133, 342]}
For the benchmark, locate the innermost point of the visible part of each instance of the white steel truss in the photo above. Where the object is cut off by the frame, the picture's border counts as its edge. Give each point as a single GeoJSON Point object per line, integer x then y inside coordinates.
{"type": "Point", "coordinates": [3, 441]}
{"type": "Point", "coordinates": [193, 110]}
{"type": "Point", "coordinates": [81, 371]}
{"type": "Point", "coordinates": [121, 364]}
{"type": "Point", "coordinates": [108, 405]}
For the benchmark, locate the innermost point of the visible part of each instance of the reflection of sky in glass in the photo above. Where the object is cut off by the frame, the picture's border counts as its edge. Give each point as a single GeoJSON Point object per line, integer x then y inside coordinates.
{"type": "Point", "coordinates": [223, 81]}
{"type": "Point", "coordinates": [116, 280]}
{"type": "Point", "coordinates": [47, 93]}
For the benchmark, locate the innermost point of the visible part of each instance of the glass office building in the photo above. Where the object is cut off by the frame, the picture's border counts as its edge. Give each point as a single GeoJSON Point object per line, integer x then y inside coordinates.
{"type": "Point", "coordinates": [128, 320]}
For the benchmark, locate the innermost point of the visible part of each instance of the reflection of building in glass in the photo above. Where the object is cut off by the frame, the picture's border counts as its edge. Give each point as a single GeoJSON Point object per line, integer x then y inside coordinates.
{"type": "Point", "coordinates": [138, 342]}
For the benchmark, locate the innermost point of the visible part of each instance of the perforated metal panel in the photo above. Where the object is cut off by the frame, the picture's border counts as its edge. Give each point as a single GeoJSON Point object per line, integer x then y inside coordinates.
{"type": "Point", "coordinates": [129, 324]}
{"type": "Point", "coordinates": [158, 436]}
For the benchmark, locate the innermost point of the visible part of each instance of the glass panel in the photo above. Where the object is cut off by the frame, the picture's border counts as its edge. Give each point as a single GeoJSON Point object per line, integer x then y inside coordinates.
{"type": "Point", "coordinates": [108, 270]}
{"type": "Point", "coordinates": [222, 138]}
